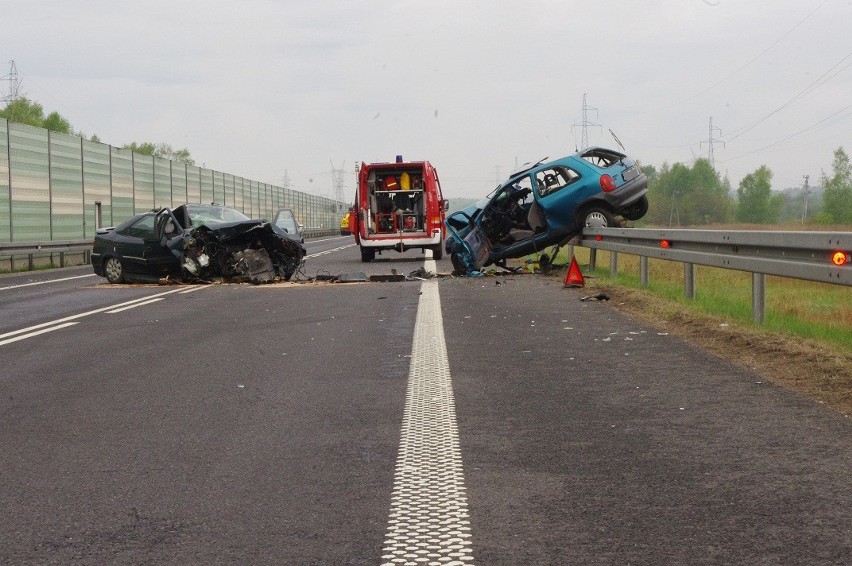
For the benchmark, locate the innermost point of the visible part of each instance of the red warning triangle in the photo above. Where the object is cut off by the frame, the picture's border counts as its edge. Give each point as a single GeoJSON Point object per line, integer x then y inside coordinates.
{"type": "Point", "coordinates": [574, 278]}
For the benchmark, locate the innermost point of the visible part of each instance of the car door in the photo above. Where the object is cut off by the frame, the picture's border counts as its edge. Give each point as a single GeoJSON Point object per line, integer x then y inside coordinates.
{"type": "Point", "coordinates": [558, 190]}
{"type": "Point", "coordinates": [141, 251]}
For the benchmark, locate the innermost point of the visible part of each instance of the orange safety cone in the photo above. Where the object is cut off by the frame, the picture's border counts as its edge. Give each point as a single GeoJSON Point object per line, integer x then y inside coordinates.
{"type": "Point", "coordinates": [574, 278]}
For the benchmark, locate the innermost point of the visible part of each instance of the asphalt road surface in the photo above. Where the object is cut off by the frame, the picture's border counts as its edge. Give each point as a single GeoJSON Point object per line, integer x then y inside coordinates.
{"type": "Point", "coordinates": [493, 421]}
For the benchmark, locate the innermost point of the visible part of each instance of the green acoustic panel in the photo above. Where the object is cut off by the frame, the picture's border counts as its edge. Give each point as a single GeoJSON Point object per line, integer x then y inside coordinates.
{"type": "Point", "coordinates": [143, 183]}
{"type": "Point", "coordinates": [58, 186]}
{"type": "Point", "coordinates": [5, 200]}
{"type": "Point", "coordinates": [162, 183]}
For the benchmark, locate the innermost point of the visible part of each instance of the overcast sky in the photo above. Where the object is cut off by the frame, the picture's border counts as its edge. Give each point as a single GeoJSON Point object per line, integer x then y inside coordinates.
{"type": "Point", "coordinates": [257, 88]}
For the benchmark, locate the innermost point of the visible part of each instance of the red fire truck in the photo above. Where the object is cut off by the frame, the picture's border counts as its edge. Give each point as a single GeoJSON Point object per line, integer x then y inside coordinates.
{"type": "Point", "coordinates": [398, 206]}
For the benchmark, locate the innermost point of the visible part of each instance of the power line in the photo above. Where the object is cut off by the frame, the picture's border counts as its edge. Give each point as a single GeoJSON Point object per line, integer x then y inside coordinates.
{"type": "Point", "coordinates": [752, 60]}
{"type": "Point", "coordinates": [811, 87]}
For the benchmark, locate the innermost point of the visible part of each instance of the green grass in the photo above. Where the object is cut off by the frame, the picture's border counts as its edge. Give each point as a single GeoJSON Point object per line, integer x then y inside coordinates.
{"type": "Point", "coordinates": [26, 268]}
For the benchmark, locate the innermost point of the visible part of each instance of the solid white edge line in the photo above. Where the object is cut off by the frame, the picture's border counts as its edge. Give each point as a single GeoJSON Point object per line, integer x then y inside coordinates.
{"type": "Point", "coordinates": [45, 282]}
{"type": "Point", "coordinates": [36, 333]}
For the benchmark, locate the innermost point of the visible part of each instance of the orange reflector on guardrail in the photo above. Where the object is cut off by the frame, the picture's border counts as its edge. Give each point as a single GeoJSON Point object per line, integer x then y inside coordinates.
{"type": "Point", "coordinates": [839, 258]}
{"type": "Point", "coordinates": [665, 244]}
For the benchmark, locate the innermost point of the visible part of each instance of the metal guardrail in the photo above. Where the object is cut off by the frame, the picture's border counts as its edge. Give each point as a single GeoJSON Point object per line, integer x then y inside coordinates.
{"type": "Point", "coordinates": [815, 256]}
{"type": "Point", "coordinates": [32, 250]}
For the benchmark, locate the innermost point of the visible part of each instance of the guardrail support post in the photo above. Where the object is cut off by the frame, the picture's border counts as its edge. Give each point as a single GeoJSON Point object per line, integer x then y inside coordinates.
{"type": "Point", "coordinates": [689, 280]}
{"type": "Point", "coordinates": [593, 258]}
{"type": "Point", "coordinates": [61, 259]}
{"type": "Point", "coordinates": [758, 297]}
{"type": "Point", "coordinates": [643, 270]}
{"type": "Point", "coordinates": [613, 264]}
{"type": "Point", "coordinates": [30, 260]}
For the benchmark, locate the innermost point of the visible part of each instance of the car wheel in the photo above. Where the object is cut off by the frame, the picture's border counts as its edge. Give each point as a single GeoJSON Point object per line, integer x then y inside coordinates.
{"type": "Point", "coordinates": [636, 210]}
{"type": "Point", "coordinates": [113, 270]}
{"type": "Point", "coordinates": [437, 252]}
{"type": "Point", "coordinates": [459, 268]}
{"type": "Point", "coordinates": [597, 216]}
{"type": "Point", "coordinates": [368, 254]}
{"type": "Point", "coordinates": [544, 264]}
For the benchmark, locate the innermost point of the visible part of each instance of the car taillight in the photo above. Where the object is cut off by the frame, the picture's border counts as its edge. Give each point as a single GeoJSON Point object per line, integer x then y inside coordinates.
{"type": "Point", "coordinates": [607, 184]}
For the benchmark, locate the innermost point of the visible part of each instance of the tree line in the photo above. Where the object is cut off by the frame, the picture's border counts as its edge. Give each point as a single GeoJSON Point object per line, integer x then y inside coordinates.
{"type": "Point", "coordinates": [25, 111]}
{"type": "Point", "coordinates": [684, 195]}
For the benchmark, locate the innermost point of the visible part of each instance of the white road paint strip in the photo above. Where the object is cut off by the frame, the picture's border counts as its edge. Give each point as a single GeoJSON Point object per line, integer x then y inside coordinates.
{"type": "Point", "coordinates": [133, 306]}
{"type": "Point", "coordinates": [329, 251]}
{"type": "Point", "coordinates": [429, 521]}
{"type": "Point", "coordinates": [36, 333]}
{"type": "Point", "coordinates": [82, 314]}
{"type": "Point", "coordinates": [193, 289]}
{"type": "Point", "coordinates": [430, 265]}
{"type": "Point", "coordinates": [310, 241]}
{"type": "Point", "coordinates": [46, 282]}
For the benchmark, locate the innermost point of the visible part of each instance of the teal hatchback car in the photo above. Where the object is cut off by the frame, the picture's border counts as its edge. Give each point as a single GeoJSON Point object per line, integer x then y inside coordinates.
{"type": "Point", "coordinates": [544, 205]}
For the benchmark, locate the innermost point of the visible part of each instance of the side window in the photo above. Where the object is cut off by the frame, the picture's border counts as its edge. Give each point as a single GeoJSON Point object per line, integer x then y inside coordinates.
{"type": "Point", "coordinates": [554, 179]}
{"type": "Point", "coordinates": [142, 228]}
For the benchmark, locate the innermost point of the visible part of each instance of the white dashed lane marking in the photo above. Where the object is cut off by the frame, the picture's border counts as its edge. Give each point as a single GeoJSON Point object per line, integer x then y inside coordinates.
{"type": "Point", "coordinates": [429, 521]}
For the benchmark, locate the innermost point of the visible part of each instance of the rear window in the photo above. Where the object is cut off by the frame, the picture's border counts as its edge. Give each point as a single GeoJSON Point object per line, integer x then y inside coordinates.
{"type": "Point", "coordinates": [602, 158]}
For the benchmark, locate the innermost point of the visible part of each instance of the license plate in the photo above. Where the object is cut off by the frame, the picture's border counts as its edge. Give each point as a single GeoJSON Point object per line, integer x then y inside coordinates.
{"type": "Point", "coordinates": [631, 173]}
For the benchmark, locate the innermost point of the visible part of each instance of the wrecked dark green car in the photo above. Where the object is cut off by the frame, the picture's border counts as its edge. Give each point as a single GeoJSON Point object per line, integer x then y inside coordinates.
{"type": "Point", "coordinates": [195, 243]}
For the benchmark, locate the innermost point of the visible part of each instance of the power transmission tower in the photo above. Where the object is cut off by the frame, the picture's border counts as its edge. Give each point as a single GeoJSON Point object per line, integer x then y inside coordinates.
{"type": "Point", "coordinates": [584, 136]}
{"type": "Point", "coordinates": [711, 141]}
{"type": "Point", "coordinates": [337, 184]}
{"type": "Point", "coordinates": [805, 207]}
{"type": "Point", "coordinates": [14, 84]}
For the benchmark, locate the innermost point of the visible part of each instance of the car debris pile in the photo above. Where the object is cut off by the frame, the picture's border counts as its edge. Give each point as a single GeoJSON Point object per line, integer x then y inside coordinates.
{"type": "Point", "coordinates": [244, 252]}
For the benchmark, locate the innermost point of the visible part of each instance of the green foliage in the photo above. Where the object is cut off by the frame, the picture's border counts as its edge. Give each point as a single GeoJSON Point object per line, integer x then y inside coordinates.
{"type": "Point", "coordinates": [56, 123]}
{"type": "Point", "coordinates": [837, 198]}
{"type": "Point", "coordinates": [161, 150]}
{"type": "Point", "coordinates": [756, 203]}
{"type": "Point", "coordinates": [684, 195]}
{"type": "Point", "coordinates": [24, 111]}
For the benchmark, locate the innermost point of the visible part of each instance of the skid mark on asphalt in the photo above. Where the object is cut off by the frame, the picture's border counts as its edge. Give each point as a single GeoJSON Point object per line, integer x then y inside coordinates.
{"type": "Point", "coordinates": [429, 521]}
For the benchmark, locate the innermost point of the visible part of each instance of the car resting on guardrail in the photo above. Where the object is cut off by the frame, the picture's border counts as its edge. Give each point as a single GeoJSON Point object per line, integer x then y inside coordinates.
{"type": "Point", "coordinates": [546, 204]}
{"type": "Point", "coordinates": [196, 243]}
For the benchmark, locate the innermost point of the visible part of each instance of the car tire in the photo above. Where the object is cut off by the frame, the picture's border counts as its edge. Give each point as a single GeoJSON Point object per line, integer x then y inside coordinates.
{"type": "Point", "coordinates": [113, 270]}
{"type": "Point", "coordinates": [597, 213]}
{"type": "Point", "coordinates": [368, 254]}
{"type": "Point", "coordinates": [636, 210]}
{"type": "Point", "coordinates": [437, 252]}
{"type": "Point", "coordinates": [459, 268]}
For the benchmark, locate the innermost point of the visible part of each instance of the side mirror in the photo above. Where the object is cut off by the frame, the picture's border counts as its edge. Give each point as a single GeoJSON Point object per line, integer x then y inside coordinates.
{"type": "Point", "coordinates": [446, 205]}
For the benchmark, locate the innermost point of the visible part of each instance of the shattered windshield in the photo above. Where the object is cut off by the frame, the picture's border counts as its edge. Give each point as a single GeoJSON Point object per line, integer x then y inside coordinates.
{"type": "Point", "coordinates": [202, 214]}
